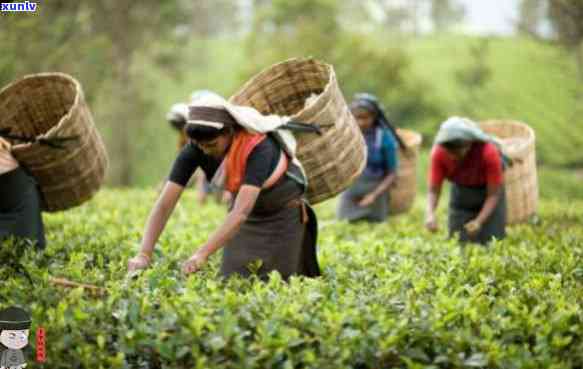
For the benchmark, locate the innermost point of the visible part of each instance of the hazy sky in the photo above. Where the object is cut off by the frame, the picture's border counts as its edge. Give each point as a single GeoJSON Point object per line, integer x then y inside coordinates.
{"type": "Point", "coordinates": [490, 16]}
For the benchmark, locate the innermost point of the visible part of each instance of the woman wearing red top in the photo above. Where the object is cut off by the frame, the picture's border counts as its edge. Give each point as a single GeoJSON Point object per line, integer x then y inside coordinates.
{"type": "Point", "coordinates": [269, 225]}
{"type": "Point", "coordinates": [472, 162]}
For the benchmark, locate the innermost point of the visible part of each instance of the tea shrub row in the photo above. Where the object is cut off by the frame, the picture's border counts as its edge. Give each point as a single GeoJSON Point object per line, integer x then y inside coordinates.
{"type": "Point", "coordinates": [391, 295]}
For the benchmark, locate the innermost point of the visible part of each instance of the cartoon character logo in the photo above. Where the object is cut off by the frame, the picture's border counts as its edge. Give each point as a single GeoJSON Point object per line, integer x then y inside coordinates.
{"type": "Point", "coordinates": [14, 330]}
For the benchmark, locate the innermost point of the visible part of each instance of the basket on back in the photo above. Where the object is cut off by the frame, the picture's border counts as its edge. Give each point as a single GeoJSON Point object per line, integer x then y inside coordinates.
{"type": "Point", "coordinates": [404, 188]}
{"type": "Point", "coordinates": [307, 90]}
{"type": "Point", "coordinates": [51, 107]}
{"type": "Point", "coordinates": [518, 141]}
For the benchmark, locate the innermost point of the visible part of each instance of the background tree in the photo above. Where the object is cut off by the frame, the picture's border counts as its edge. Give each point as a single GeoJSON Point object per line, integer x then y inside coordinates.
{"type": "Point", "coordinates": [445, 14]}
{"type": "Point", "coordinates": [567, 19]}
{"type": "Point", "coordinates": [97, 42]}
{"type": "Point", "coordinates": [473, 76]}
{"type": "Point", "coordinates": [314, 28]}
{"type": "Point", "coordinates": [60, 39]}
{"type": "Point", "coordinates": [531, 16]}
{"type": "Point", "coordinates": [399, 16]}
{"type": "Point", "coordinates": [128, 29]}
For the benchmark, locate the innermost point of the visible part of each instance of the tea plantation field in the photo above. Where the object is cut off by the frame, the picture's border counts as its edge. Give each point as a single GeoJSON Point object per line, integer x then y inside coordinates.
{"type": "Point", "coordinates": [391, 295]}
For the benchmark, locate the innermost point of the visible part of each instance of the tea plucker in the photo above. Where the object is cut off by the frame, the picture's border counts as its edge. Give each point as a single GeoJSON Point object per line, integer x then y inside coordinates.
{"type": "Point", "coordinates": [368, 197]}
{"type": "Point", "coordinates": [474, 164]}
{"type": "Point", "coordinates": [268, 220]}
{"type": "Point", "coordinates": [20, 200]}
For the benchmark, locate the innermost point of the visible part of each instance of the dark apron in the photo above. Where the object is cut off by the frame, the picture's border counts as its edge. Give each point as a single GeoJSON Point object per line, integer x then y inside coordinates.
{"type": "Point", "coordinates": [348, 208]}
{"type": "Point", "coordinates": [20, 214]}
{"type": "Point", "coordinates": [465, 204]}
{"type": "Point", "coordinates": [274, 237]}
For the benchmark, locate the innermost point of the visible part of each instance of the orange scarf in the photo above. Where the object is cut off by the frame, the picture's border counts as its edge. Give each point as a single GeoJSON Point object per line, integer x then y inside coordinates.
{"type": "Point", "coordinates": [236, 160]}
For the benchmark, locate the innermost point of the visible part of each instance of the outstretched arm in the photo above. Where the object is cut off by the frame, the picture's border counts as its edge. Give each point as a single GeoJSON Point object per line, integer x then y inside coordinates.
{"type": "Point", "coordinates": [155, 225]}
{"type": "Point", "coordinates": [432, 203]}
{"type": "Point", "coordinates": [379, 190]}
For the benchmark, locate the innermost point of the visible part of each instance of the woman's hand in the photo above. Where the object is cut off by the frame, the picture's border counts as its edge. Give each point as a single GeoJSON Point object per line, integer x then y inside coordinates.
{"type": "Point", "coordinates": [140, 261]}
{"type": "Point", "coordinates": [431, 223]}
{"type": "Point", "coordinates": [368, 200]}
{"type": "Point", "coordinates": [226, 198]}
{"type": "Point", "coordinates": [194, 263]}
{"type": "Point", "coordinates": [492, 198]}
{"type": "Point", "coordinates": [432, 202]}
{"type": "Point", "coordinates": [384, 186]}
{"type": "Point", "coordinates": [473, 227]}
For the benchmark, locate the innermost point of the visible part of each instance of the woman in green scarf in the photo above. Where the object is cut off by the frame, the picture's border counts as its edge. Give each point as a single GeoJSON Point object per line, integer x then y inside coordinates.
{"type": "Point", "coordinates": [473, 162]}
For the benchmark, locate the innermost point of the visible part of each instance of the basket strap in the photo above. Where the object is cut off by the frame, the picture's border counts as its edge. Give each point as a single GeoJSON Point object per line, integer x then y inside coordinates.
{"type": "Point", "coordinates": [302, 127]}
{"type": "Point", "coordinates": [56, 143]}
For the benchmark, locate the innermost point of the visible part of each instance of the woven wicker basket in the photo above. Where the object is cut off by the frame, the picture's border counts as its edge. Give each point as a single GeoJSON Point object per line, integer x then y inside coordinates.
{"type": "Point", "coordinates": [333, 160]}
{"type": "Point", "coordinates": [405, 187]}
{"type": "Point", "coordinates": [50, 106]}
{"type": "Point", "coordinates": [518, 141]}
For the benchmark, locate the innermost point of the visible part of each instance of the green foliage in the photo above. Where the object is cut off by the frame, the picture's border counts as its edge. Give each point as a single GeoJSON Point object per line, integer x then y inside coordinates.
{"type": "Point", "coordinates": [283, 13]}
{"type": "Point", "coordinates": [530, 82]}
{"type": "Point", "coordinates": [391, 295]}
{"type": "Point", "coordinates": [445, 14]}
{"type": "Point", "coordinates": [473, 76]}
{"type": "Point", "coordinates": [562, 184]}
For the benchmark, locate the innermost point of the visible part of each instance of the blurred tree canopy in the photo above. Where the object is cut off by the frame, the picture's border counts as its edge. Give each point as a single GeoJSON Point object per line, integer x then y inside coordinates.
{"type": "Point", "coordinates": [135, 59]}
{"type": "Point", "coordinates": [566, 20]}
{"type": "Point", "coordinates": [473, 76]}
{"type": "Point", "coordinates": [128, 55]}
{"type": "Point", "coordinates": [95, 41]}
{"type": "Point", "coordinates": [362, 63]}
{"type": "Point", "coordinates": [532, 14]}
{"type": "Point", "coordinates": [446, 13]}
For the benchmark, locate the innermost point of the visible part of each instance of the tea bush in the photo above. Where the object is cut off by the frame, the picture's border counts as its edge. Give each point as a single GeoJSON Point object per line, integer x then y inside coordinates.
{"type": "Point", "coordinates": [391, 295]}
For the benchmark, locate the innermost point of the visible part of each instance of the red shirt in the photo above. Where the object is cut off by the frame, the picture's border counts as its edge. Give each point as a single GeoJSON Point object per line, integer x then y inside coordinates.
{"type": "Point", "coordinates": [481, 166]}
